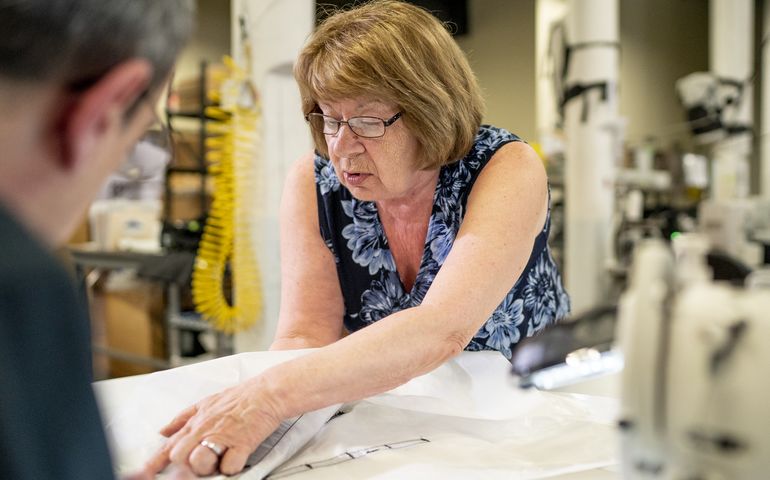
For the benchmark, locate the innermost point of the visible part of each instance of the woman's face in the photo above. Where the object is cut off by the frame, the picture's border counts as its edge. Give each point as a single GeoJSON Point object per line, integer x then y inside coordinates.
{"type": "Point", "coordinates": [374, 169]}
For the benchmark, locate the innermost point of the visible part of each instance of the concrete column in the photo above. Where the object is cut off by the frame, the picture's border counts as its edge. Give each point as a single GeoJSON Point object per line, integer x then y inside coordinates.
{"type": "Point", "coordinates": [278, 30]}
{"type": "Point", "coordinates": [731, 31]}
{"type": "Point", "coordinates": [593, 145]}
{"type": "Point", "coordinates": [764, 160]}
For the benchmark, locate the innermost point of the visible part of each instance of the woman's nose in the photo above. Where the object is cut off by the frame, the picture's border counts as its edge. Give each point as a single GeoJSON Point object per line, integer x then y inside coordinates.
{"type": "Point", "coordinates": [346, 143]}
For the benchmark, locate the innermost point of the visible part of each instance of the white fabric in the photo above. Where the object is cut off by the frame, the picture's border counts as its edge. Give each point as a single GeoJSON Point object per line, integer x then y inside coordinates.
{"type": "Point", "coordinates": [466, 419]}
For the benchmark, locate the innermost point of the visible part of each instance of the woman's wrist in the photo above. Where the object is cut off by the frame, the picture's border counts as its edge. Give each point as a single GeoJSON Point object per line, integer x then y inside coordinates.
{"type": "Point", "coordinates": [274, 396]}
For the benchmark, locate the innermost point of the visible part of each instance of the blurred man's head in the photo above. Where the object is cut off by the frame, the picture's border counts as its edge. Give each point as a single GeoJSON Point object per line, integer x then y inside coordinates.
{"type": "Point", "coordinates": [78, 82]}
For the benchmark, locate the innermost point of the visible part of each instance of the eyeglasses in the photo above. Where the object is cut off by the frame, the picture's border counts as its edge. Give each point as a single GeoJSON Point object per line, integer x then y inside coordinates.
{"type": "Point", "coordinates": [366, 127]}
{"type": "Point", "coordinates": [145, 163]}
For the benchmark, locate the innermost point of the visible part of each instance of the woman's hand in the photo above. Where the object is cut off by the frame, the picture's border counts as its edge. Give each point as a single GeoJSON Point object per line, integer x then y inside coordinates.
{"type": "Point", "coordinates": [174, 473]}
{"type": "Point", "coordinates": [235, 420]}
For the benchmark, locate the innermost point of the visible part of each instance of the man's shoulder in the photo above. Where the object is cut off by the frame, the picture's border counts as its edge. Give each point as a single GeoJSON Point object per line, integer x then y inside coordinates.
{"type": "Point", "coordinates": [23, 258]}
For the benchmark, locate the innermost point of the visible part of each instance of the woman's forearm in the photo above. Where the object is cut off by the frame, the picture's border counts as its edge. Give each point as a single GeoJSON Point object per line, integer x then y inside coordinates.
{"type": "Point", "coordinates": [373, 360]}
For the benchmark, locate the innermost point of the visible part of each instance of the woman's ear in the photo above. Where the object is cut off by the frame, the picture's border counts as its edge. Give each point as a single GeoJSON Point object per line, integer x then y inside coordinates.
{"type": "Point", "coordinates": [97, 114]}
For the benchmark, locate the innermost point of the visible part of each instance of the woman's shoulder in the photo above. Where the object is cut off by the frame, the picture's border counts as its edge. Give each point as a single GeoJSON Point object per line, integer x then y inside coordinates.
{"type": "Point", "coordinates": [491, 135]}
{"type": "Point", "coordinates": [490, 139]}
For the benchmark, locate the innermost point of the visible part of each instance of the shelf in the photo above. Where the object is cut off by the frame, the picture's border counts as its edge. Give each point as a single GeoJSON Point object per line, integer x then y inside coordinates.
{"type": "Point", "coordinates": [190, 322]}
{"type": "Point", "coordinates": [198, 114]}
{"type": "Point", "coordinates": [200, 170]}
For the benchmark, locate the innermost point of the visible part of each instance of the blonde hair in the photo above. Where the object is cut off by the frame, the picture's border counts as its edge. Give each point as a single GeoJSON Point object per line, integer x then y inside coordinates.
{"type": "Point", "coordinates": [397, 53]}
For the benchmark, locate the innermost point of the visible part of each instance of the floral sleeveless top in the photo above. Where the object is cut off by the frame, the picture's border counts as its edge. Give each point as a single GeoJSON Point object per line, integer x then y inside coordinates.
{"type": "Point", "coordinates": [367, 273]}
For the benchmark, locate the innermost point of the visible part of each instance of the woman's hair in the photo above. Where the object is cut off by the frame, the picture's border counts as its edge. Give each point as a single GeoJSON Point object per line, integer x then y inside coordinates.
{"type": "Point", "coordinates": [397, 53]}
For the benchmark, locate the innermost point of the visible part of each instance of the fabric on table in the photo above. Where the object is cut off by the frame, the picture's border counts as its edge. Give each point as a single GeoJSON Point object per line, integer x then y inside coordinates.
{"type": "Point", "coordinates": [465, 419]}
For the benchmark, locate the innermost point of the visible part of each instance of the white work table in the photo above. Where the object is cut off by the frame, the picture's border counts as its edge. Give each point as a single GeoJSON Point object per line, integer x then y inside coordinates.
{"type": "Point", "coordinates": [465, 419]}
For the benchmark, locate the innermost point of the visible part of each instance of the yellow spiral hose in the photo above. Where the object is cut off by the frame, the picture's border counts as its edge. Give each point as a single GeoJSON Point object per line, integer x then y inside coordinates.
{"type": "Point", "coordinates": [231, 154]}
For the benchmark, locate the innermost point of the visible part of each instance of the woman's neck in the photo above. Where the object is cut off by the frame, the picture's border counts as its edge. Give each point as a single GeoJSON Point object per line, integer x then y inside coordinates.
{"type": "Point", "coordinates": [414, 203]}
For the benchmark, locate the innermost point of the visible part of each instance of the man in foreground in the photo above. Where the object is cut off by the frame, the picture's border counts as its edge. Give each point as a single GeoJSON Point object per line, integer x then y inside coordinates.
{"type": "Point", "coordinates": [78, 84]}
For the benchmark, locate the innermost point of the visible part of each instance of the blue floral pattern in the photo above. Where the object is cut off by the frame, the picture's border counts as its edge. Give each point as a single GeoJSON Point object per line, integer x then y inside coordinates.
{"type": "Point", "coordinates": [366, 238]}
{"type": "Point", "coordinates": [502, 329]}
{"type": "Point", "coordinates": [366, 269]}
{"type": "Point", "coordinates": [327, 179]}
{"type": "Point", "coordinates": [383, 298]}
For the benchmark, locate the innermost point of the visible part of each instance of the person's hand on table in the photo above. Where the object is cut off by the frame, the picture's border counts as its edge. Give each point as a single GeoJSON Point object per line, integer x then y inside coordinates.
{"type": "Point", "coordinates": [177, 472]}
{"type": "Point", "coordinates": [218, 433]}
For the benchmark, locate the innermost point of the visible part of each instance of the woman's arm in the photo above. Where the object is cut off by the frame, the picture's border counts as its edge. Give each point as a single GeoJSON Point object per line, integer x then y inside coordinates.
{"type": "Point", "coordinates": [505, 212]}
{"type": "Point", "coordinates": [311, 299]}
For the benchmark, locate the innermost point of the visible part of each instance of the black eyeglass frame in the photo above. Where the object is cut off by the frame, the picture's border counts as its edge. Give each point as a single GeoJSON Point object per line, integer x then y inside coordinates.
{"type": "Point", "coordinates": [385, 123]}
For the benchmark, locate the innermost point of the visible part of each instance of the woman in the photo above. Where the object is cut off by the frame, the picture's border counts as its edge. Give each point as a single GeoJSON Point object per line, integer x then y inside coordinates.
{"type": "Point", "coordinates": [411, 220]}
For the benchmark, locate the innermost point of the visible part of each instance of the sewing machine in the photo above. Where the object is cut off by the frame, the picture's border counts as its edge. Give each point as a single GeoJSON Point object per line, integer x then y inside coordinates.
{"type": "Point", "coordinates": [738, 227]}
{"type": "Point", "coordinates": [694, 396]}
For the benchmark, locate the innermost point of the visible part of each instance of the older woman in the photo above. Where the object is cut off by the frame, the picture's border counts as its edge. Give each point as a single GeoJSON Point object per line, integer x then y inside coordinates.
{"type": "Point", "coordinates": [412, 227]}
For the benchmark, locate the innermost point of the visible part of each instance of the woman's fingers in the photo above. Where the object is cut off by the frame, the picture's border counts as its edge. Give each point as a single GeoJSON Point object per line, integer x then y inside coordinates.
{"type": "Point", "coordinates": [183, 446]}
{"type": "Point", "coordinates": [179, 421]}
{"type": "Point", "coordinates": [234, 460]}
{"type": "Point", "coordinates": [203, 461]}
{"type": "Point", "coordinates": [159, 461]}
{"type": "Point", "coordinates": [180, 472]}
{"type": "Point", "coordinates": [232, 422]}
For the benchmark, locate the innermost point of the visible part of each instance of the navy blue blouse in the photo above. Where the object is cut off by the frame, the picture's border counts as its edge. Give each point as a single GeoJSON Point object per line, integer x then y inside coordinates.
{"type": "Point", "coordinates": [367, 273]}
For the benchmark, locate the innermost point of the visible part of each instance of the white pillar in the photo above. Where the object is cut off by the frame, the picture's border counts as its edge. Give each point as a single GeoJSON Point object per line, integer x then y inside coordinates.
{"type": "Point", "coordinates": [278, 30]}
{"type": "Point", "coordinates": [764, 159]}
{"type": "Point", "coordinates": [592, 149]}
{"type": "Point", "coordinates": [731, 32]}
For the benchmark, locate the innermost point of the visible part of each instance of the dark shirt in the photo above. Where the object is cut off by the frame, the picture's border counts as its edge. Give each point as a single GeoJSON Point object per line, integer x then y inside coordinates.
{"type": "Point", "coordinates": [49, 422]}
{"type": "Point", "coordinates": [371, 286]}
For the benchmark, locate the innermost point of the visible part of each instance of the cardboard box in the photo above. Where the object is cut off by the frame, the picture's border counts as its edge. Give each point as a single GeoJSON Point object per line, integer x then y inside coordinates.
{"type": "Point", "coordinates": [128, 316]}
{"type": "Point", "coordinates": [81, 233]}
{"type": "Point", "coordinates": [187, 150]}
{"type": "Point", "coordinates": [185, 198]}
{"type": "Point", "coordinates": [186, 92]}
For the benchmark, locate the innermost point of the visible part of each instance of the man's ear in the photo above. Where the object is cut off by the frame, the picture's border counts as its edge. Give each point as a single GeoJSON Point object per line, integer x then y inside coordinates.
{"type": "Point", "coordinates": [101, 108]}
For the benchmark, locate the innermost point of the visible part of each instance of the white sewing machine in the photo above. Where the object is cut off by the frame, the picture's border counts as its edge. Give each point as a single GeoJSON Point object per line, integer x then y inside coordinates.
{"type": "Point", "coordinates": [695, 397]}
{"type": "Point", "coordinates": [737, 227]}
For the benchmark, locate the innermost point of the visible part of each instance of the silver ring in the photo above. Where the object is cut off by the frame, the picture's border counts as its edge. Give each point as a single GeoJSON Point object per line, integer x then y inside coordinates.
{"type": "Point", "coordinates": [214, 447]}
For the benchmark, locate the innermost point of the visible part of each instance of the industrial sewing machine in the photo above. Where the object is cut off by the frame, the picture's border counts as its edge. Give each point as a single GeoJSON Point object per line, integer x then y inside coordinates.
{"type": "Point", "coordinates": [695, 399]}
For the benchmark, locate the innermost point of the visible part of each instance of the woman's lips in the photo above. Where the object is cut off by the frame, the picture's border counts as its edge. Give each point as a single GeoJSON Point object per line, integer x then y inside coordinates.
{"type": "Point", "coordinates": [355, 179]}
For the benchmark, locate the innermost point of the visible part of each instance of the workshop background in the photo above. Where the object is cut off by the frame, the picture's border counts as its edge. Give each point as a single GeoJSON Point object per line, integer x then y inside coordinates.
{"type": "Point", "coordinates": [136, 251]}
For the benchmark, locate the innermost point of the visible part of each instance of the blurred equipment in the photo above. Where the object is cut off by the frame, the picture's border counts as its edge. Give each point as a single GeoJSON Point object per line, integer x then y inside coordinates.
{"type": "Point", "coordinates": [227, 245]}
{"type": "Point", "coordinates": [693, 398]}
{"type": "Point", "coordinates": [738, 228]}
{"type": "Point", "coordinates": [713, 104]}
{"type": "Point", "coordinates": [141, 175]}
{"type": "Point", "coordinates": [126, 213]}
{"type": "Point", "coordinates": [122, 224]}
{"type": "Point", "coordinates": [570, 352]}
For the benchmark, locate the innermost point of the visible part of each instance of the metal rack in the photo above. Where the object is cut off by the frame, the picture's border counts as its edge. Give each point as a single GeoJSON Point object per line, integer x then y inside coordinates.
{"type": "Point", "coordinates": [200, 169]}
{"type": "Point", "coordinates": [86, 260]}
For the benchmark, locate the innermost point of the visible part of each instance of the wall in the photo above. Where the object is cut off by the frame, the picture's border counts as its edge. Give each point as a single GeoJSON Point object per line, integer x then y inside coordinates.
{"type": "Point", "coordinates": [211, 39]}
{"type": "Point", "coordinates": [661, 41]}
{"type": "Point", "coordinates": [500, 47]}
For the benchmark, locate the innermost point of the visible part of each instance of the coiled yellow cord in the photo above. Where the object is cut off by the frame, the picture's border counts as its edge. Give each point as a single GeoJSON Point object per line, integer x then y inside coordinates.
{"type": "Point", "coordinates": [231, 154]}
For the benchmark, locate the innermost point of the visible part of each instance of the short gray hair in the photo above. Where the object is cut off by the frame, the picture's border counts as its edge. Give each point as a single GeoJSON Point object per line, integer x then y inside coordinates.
{"type": "Point", "coordinates": [75, 42]}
